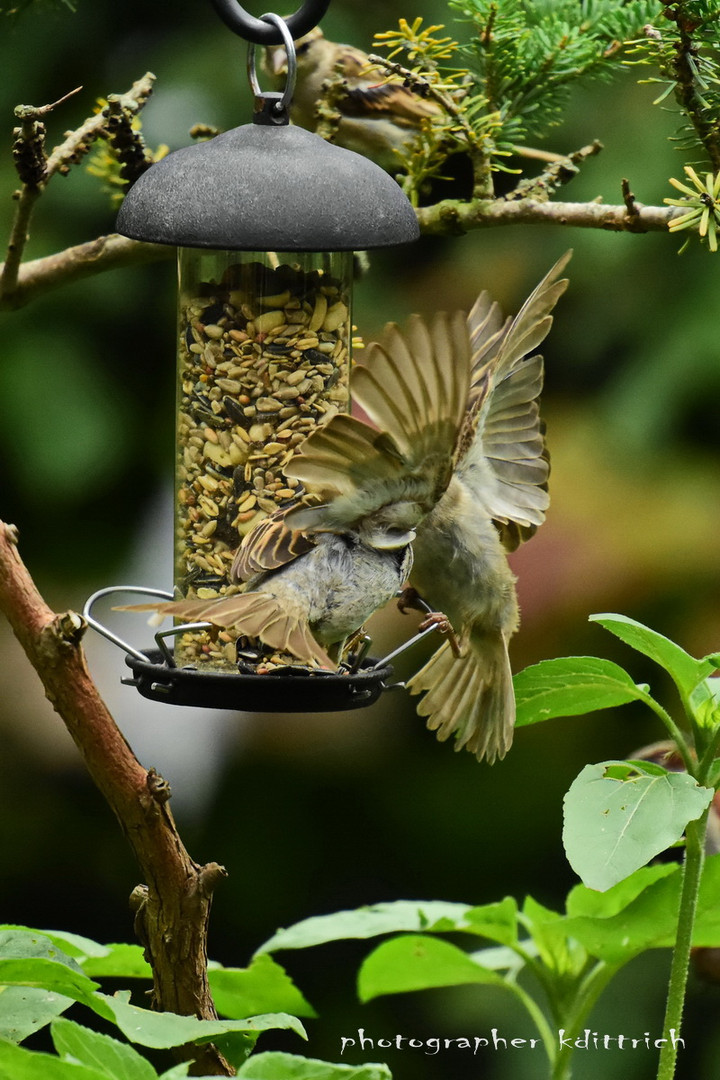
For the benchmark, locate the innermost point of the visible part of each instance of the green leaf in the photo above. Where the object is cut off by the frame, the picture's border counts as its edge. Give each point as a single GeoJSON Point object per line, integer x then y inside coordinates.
{"type": "Point", "coordinates": [650, 920]}
{"type": "Point", "coordinates": [17, 1063]}
{"type": "Point", "coordinates": [47, 974]}
{"type": "Point", "coordinates": [115, 1060]}
{"type": "Point", "coordinates": [263, 987]}
{"type": "Point", "coordinates": [24, 1009]}
{"type": "Point", "coordinates": [705, 703]}
{"type": "Point", "coordinates": [366, 922]}
{"type": "Point", "coordinates": [73, 945]}
{"type": "Point", "coordinates": [497, 921]}
{"type": "Point", "coordinates": [571, 686]}
{"type": "Point", "coordinates": [279, 1066]}
{"type": "Point", "coordinates": [546, 927]}
{"type": "Point", "coordinates": [618, 816]}
{"type": "Point", "coordinates": [584, 901]}
{"type": "Point", "coordinates": [418, 962]}
{"type": "Point", "coordinates": [118, 961]}
{"type": "Point", "coordinates": [684, 669]}
{"type": "Point", "coordinates": [162, 1030]}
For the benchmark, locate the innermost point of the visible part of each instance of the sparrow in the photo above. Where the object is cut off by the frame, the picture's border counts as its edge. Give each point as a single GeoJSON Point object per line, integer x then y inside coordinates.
{"type": "Point", "coordinates": [378, 118]}
{"type": "Point", "coordinates": [315, 570]}
{"type": "Point", "coordinates": [496, 499]}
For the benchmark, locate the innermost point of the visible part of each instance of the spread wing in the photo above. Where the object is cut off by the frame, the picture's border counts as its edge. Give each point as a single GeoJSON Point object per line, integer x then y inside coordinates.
{"type": "Point", "coordinates": [502, 454]}
{"type": "Point", "coordinates": [414, 388]}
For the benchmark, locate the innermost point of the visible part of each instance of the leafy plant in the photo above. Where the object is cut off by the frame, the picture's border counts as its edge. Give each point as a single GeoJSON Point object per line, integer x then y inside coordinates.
{"type": "Point", "coordinates": [43, 973]}
{"type": "Point", "coordinates": [618, 816]}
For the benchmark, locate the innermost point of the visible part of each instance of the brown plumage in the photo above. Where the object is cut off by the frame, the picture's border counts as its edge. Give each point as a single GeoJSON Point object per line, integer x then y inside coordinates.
{"type": "Point", "coordinates": [315, 571]}
{"type": "Point", "coordinates": [496, 498]}
{"type": "Point", "coordinates": [378, 117]}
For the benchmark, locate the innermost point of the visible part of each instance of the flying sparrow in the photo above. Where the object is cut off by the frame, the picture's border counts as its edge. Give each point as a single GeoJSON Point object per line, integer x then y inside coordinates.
{"type": "Point", "coordinates": [378, 117]}
{"type": "Point", "coordinates": [496, 498]}
{"type": "Point", "coordinates": [314, 571]}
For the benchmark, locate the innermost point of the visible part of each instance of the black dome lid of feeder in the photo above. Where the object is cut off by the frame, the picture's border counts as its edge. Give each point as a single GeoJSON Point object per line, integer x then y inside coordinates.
{"type": "Point", "coordinates": [262, 187]}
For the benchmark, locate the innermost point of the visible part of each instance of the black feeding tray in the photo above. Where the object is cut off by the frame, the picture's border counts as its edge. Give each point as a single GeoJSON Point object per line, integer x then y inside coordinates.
{"type": "Point", "coordinates": [288, 690]}
{"type": "Point", "coordinates": [283, 692]}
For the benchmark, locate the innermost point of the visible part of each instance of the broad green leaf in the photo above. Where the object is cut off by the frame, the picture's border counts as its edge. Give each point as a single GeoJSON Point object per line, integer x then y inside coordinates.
{"type": "Point", "coordinates": [684, 669]}
{"type": "Point", "coordinates": [263, 987]}
{"type": "Point", "coordinates": [496, 921]}
{"type": "Point", "coordinates": [279, 1066]}
{"type": "Point", "coordinates": [584, 901]}
{"type": "Point", "coordinates": [162, 1030]}
{"type": "Point", "coordinates": [119, 961]}
{"type": "Point", "coordinates": [115, 1060]}
{"type": "Point", "coordinates": [17, 1063]}
{"type": "Point", "coordinates": [177, 1072]}
{"type": "Point", "coordinates": [418, 962]}
{"type": "Point", "coordinates": [73, 945]}
{"type": "Point", "coordinates": [366, 922]}
{"type": "Point", "coordinates": [47, 974]}
{"type": "Point", "coordinates": [617, 817]}
{"type": "Point", "coordinates": [24, 1009]}
{"type": "Point", "coordinates": [571, 686]}
{"type": "Point", "coordinates": [650, 920]}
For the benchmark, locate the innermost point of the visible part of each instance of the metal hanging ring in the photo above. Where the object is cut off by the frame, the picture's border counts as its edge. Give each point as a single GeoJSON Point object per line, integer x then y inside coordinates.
{"type": "Point", "coordinates": [258, 31]}
{"type": "Point", "coordinates": [286, 39]}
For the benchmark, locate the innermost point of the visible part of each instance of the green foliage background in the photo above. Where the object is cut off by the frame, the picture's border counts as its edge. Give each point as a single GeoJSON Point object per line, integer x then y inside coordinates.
{"type": "Point", "coordinates": [313, 814]}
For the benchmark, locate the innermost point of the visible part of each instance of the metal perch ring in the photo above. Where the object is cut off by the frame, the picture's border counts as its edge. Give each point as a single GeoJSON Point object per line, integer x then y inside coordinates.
{"type": "Point", "coordinates": [261, 32]}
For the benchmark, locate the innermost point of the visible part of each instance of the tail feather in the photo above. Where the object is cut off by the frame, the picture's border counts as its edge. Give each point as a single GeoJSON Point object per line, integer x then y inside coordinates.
{"type": "Point", "coordinates": [471, 696]}
{"type": "Point", "coordinates": [254, 614]}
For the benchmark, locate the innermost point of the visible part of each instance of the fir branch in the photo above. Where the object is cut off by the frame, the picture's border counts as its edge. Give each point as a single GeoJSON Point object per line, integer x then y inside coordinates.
{"type": "Point", "coordinates": [685, 69]}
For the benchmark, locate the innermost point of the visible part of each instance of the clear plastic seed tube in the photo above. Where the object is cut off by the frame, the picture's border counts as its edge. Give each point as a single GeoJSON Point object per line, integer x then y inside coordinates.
{"type": "Point", "coordinates": [263, 359]}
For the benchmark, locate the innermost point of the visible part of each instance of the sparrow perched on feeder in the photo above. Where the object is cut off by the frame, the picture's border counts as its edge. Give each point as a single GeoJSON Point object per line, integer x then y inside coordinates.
{"type": "Point", "coordinates": [496, 499]}
{"type": "Point", "coordinates": [314, 573]}
{"type": "Point", "coordinates": [377, 117]}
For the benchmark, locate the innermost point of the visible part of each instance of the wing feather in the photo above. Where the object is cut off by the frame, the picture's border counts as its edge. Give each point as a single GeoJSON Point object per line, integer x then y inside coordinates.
{"type": "Point", "coordinates": [503, 457]}
{"type": "Point", "coordinates": [414, 387]}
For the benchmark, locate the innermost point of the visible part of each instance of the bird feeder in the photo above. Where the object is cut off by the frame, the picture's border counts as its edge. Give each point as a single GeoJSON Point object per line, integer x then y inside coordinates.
{"type": "Point", "coordinates": [265, 218]}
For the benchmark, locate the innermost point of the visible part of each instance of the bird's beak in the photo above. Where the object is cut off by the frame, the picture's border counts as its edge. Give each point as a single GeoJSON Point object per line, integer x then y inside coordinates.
{"type": "Point", "coordinates": [277, 60]}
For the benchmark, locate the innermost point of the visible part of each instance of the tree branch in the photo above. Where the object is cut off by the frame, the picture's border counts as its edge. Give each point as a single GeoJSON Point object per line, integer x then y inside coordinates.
{"type": "Point", "coordinates": [452, 217]}
{"type": "Point", "coordinates": [35, 169]}
{"type": "Point", "coordinates": [172, 910]}
{"type": "Point", "coordinates": [64, 267]}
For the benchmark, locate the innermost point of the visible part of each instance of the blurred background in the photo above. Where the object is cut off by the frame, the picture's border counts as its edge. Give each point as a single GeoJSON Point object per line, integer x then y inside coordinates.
{"type": "Point", "coordinates": [311, 814]}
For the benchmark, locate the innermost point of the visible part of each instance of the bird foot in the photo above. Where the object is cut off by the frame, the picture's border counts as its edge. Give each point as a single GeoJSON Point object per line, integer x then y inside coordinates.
{"type": "Point", "coordinates": [443, 626]}
{"type": "Point", "coordinates": [410, 599]}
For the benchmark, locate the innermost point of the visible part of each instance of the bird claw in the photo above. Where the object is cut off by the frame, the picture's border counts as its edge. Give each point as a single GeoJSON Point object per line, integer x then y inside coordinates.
{"type": "Point", "coordinates": [410, 599]}
{"type": "Point", "coordinates": [443, 625]}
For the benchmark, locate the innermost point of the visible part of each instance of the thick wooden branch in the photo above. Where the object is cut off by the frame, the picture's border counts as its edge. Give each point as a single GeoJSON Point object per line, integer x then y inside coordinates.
{"type": "Point", "coordinates": [172, 909]}
{"type": "Point", "coordinates": [455, 218]}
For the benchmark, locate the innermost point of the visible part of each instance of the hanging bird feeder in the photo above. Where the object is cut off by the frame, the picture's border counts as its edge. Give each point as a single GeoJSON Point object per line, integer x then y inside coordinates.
{"type": "Point", "coordinates": [265, 218]}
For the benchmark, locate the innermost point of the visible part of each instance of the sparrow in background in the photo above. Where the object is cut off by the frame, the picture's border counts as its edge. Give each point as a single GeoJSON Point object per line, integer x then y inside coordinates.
{"type": "Point", "coordinates": [378, 117]}
{"type": "Point", "coordinates": [496, 499]}
{"type": "Point", "coordinates": [314, 573]}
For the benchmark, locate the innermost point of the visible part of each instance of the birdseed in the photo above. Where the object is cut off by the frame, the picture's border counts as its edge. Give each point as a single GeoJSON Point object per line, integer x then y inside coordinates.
{"type": "Point", "coordinates": [263, 359]}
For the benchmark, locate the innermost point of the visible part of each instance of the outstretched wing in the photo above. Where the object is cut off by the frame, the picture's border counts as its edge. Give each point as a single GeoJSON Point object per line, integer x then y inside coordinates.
{"type": "Point", "coordinates": [414, 387]}
{"type": "Point", "coordinates": [502, 455]}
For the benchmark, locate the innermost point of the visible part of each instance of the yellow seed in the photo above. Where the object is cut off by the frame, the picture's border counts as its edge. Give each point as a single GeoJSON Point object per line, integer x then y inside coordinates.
{"type": "Point", "coordinates": [205, 593]}
{"type": "Point", "coordinates": [318, 315]}
{"type": "Point", "coordinates": [336, 315]}
{"type": "Point", "coordinates": [268, 320]}
{"type": "Point", "coordinates": [276, 300]}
